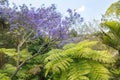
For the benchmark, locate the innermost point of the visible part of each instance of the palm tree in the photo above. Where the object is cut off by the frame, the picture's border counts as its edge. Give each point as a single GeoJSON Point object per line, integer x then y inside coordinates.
{"type": "Point", "coordinates": [78, 62]}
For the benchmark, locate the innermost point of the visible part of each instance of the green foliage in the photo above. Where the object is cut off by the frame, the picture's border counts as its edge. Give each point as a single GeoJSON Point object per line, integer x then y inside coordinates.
{"type": "Point", "coordinates": [6, 38]}
{"type": "Point", "coordinates": [10, 66]}
{"type": "Point", "coordinates": [8, 52]}
{"type": "Point", "coordinates": [33, 68]}
{"type": "Point", "coordinates": [4, 77]}
{"type": "Point", "coordinates": [116, 74]}
{"type": "Point", "coordinates": [13, 54]}
{"type": "Point", "coordinates": [9, 69]}
{"type": "Point", "coordinates": [67, 46]}
{"type": "Point", "coordinates": [34, 45]}
{"type": "Point", "coordinates": [112, 38]}
{"type": "Point", "coordinates": [73, 33]}
{"type": "Point", "coordinates": [114, 9]}
{"type": "Point", "coordinates": [78, 62]}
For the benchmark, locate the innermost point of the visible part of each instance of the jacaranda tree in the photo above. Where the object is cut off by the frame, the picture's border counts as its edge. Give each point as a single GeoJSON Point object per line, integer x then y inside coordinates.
{"type": "Point", "coordinates": [26, 24]}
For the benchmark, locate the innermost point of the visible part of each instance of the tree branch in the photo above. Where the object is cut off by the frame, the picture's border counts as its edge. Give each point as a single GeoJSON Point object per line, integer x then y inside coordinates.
{"type": "Point", "coordinates": [36, 54]}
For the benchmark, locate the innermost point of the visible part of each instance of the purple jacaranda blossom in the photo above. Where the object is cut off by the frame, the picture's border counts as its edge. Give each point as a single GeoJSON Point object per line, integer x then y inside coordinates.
{"type": "Point", "coordinates": [44, 21]}
{"type": "Point", "coordinates": [69, 10]}
{"type": "Point", "coordinates": [81, 20]}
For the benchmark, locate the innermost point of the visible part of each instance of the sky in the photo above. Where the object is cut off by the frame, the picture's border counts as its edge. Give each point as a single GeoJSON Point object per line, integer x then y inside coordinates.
{"type": "Point", "coordinates": [89, 9]}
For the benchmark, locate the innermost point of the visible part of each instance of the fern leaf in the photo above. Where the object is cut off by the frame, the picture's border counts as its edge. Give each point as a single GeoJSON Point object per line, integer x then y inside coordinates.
{"type": "Point", "coordinates": [101, 56]}
{"type": "Point", "coordinates": [78, 70]}
{"type": "Point", "coordinates": [98, 72]}
{"type": "Point", "coordinates": [80, 62]}
{"type": "Point", "coordinates": [67, 46]}
{"type": "Point", "coordinates": [56, 66]}
{"type": "Point", "coordinates": [87, 43]}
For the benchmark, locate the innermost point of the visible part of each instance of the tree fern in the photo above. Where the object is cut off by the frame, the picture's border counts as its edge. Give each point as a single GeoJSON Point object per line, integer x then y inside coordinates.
{"type": "Point", "coordinates": [112, 38]}
{"type": "Point", "coordinates": [98, 72]}
{"type": "Point", "coordinates": [79, 62]}
{"type": "Point", "coordinates": [56, 63]}
{"type": "Point", "coordinates": [77, 71]}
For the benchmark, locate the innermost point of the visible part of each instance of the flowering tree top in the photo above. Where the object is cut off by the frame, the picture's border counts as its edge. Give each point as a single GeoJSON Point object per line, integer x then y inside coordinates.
{"type": "Point", "coordinates": [44, 21]}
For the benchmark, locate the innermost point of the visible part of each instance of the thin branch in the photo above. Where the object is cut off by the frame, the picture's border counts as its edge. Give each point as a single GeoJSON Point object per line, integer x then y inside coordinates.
{"type": "Point", "coordinates": [18, 47]}
{"type": "Point", "coordinates": [38, 53]}
{"type": "Point", "coordinates": [27, 37]}
{"type": "Point", "coordinates": [18, 51]}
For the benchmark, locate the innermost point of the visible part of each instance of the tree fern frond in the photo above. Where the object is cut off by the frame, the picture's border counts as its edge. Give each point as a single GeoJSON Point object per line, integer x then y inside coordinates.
{"type": "Point", "coordinates": [54, 54]}
{"type": "Point", "coordinates": [87, 43]}
{"type": "Point", "coordinates": [80, 62]}
{"type": "Point", "coordinates": [88, 53]}
{"type": "Point", "coordinates": [101, 56]}
{"type": "Point", "coordinates": [98, 72]}
{"type": "Point", "coordinates": [63, 75]}
{"type": "Point", "coordinates": [113, 26]}
{"type": "Point", "coordinates": [56, 66]}
{"type": "Point", "coordinates": [62, 64]}
{"type": "Point", "coordinates": [67, 46]}
{"type": "Point", "coordinates": [78, 77]}
{"type": "Point", "coordinates": [54, 51]}
{"type": "Point", "coordinates": [79, 69]}
{"type": "Point", "coordinates": [73, 51]}
{"type": "Point", "coordinates": [83, 78]}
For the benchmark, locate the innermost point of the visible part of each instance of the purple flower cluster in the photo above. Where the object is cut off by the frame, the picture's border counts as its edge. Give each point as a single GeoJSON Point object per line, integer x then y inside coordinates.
{"type": "Point", "coordinates": [43, 21]}
{"type": "Point", "coordinates": [73, 18]}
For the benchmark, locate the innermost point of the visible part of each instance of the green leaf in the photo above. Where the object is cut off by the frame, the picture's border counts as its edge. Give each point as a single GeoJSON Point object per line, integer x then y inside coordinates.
{"type": "Point", "coordinates": [4, 77]}
{"type": "Point", "coordinates": [80, 62]}
{"type": "Point", "coordinates": [114, 8]}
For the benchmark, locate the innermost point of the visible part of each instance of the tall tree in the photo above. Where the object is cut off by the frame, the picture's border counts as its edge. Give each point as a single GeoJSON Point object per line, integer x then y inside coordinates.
{"type": "Point", "coordinates": [27, 24]}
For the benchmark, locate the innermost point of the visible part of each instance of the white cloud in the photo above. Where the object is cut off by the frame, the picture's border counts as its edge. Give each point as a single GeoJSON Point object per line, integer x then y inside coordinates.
{"type": "Point", "coordinates": [81, 9]}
